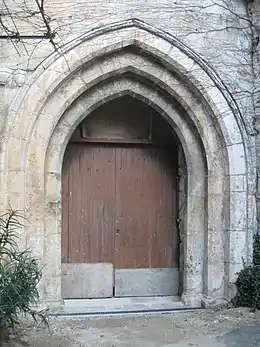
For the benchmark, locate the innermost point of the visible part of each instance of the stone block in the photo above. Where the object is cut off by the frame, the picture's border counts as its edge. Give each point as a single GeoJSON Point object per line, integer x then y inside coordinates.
{"type": "Point", "coordinates": [79, 281]}
{"type": "Point", "coordinates": [231, 130]}
{"type": "Point", "coordinates": [16, 153]}
{"type": "Point", "coordinates": [236, 156]}
{"type": "Point", "coordinates": [146, 282]}
{"type": "Point", "coordinates": [216, 246]}
{"type": "Point", "coordinates": [237, 183]}
{"type": "Point", "coordinates": [215, 275]}
{"type": "Point", "coordinates": [238, 246]}
{"type": "Point", "coordinates": [238, 210]}
{"type": "Point", "coordinates": [216, 212]}
{"type": "Point", "coordinates": [15, 181]}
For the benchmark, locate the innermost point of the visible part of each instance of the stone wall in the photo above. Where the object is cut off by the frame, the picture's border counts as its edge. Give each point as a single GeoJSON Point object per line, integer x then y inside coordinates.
{"type": "Point", "coordinates": [192, 64]}
{"type": "Point", "coordinates": [219, 35]}
{"type": "Point", "coordinates": [254, 14]}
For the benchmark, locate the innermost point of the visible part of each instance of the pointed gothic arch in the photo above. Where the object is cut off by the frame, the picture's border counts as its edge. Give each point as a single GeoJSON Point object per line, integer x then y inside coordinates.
{"type": "Point", "coordinates": [133, 58]}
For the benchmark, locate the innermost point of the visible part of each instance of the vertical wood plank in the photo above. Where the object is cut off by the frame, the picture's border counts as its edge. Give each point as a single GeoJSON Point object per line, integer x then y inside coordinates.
{"type": "Point", "coordinates": [75, 247]}
{"type": "Point", "coordinates": [98, 201]}
{"type": "Point", "coordinates": [146, 208]}
{"type": "Point", "coordinates": [90, 204]}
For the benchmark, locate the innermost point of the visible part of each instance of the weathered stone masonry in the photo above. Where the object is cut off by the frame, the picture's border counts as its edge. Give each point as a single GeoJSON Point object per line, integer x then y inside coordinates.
{"type": "Point", "coordinates": [152, 60]}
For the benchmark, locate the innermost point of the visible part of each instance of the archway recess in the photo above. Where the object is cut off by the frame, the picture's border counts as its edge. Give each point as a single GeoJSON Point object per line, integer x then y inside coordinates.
{"type": "Point", "coordinates": [120, 205]}
{"type": "Point", "coordinates": [135, 59]}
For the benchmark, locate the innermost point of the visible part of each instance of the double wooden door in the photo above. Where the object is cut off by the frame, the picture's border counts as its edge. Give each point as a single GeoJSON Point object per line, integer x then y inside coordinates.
{"type": "Point", "coordinates": [119, 234]}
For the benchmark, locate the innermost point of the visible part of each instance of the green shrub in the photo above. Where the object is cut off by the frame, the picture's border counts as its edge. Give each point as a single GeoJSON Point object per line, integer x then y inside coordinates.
{"type": "Point", "coordinates": [19, 275]}
{"type": "Point", "coordinates": [256, 252]}
{"type": "Point", "coordinates": [248, 281]}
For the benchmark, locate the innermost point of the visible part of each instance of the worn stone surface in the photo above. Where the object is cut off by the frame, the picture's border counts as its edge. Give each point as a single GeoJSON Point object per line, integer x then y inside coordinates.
{"type": "Point", "coordinates": [146, 282]}
{"type": "Point", "coordinates": [191, 62]}
{"type": "Point", "coordinates": [87, 280]}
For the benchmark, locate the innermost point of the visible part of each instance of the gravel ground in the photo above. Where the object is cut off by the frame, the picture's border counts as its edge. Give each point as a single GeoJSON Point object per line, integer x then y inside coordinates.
{"type": "Point", "coordinates": [208, 328]}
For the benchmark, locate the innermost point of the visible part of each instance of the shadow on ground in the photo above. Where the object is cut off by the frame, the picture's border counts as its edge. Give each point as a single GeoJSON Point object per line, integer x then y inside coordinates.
{"type": "Point", "coordinates": [243, 337]}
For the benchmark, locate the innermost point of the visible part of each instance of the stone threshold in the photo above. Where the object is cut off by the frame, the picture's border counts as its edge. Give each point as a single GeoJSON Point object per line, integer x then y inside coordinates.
{"type": "Point", "coordinates": [121, 306]}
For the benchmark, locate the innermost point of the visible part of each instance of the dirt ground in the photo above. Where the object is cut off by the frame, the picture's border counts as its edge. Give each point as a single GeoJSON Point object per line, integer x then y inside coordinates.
{"type": "Point", "coordinates": [207, 328]}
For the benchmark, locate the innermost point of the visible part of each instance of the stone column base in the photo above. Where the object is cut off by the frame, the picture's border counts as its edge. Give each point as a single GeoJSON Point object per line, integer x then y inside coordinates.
{"type": "Point", "coordinates": [192, 300]}
{"type": "Point", "coordinates": [200, 300]}
{"type": "Point", "coordinates": [209, 302]}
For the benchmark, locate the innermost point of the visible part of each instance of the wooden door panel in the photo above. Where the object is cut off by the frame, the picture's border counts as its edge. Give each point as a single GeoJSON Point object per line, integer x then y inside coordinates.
{"type": "Point", "coordinates": [119, 209]}
{"type": "Point", "coordinates": [89, 183]}
{"type": "Point", "coordinates": [75, 236]}
{"type": "Point", "coordinates": [145, 209]}
{"type": "Point", "coordinates": [98, 189]}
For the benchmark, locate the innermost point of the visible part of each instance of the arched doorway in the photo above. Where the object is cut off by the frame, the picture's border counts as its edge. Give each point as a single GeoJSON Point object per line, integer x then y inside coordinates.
{"type": "Point", "coordinates": [119, 205]}
{"type": "Point", "coordinates": [134, 58]}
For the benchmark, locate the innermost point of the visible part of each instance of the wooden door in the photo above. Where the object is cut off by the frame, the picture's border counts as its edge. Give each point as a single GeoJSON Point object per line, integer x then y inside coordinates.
{"type": "Point", "coordinates": [118, 221]}
{"type": "Point", "coordinates": [88, 225]}
{"type": "Point", "coordinates": [146, 242]}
